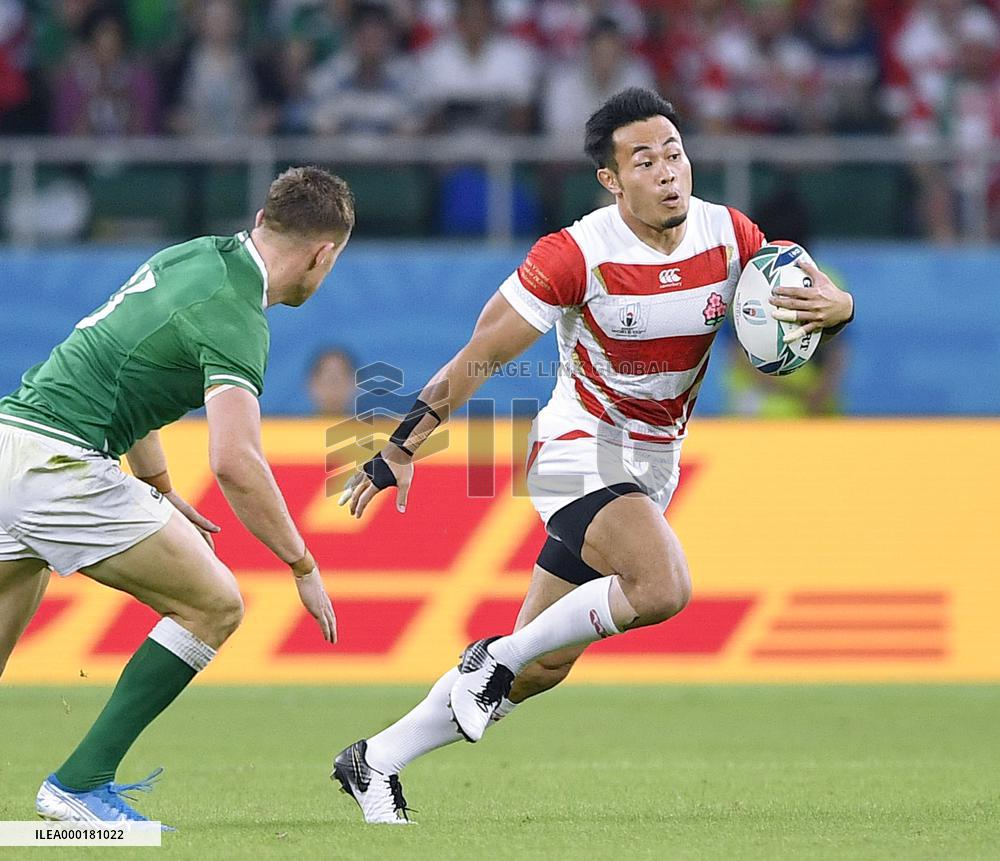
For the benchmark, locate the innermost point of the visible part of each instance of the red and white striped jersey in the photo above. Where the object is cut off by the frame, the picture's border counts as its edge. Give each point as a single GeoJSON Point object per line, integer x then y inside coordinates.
{"type": "Point", "coordinates": [634, 325]}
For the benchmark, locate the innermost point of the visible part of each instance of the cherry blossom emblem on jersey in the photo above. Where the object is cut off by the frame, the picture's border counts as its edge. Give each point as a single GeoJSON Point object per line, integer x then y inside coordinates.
{"type": "Point", "coordinates": [715, 309]}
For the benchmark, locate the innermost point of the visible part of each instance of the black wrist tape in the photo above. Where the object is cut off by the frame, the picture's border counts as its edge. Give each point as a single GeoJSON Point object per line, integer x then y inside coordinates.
{"type": "Point", "coordinates": [408, 425]}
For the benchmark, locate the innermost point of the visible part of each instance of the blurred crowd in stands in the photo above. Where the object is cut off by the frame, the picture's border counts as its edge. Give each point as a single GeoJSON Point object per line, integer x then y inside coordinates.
{"type": "Point", "coordinates": [217, 67]}
{"type": "Point", "coordinates": [922, 69]}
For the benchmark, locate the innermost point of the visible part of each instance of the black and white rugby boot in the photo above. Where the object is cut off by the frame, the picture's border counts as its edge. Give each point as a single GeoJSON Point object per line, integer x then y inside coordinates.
{"type": "Point", "coordinates": [380, 796]}
{"type": "Point", "coordinates": [480, 688]}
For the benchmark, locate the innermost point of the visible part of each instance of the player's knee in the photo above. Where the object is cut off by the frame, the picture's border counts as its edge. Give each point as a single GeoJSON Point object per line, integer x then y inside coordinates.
{"type": "Point", "coordinates": [228, 614]}
{"type": "Point", "coordinates": [673, 594]}
{"type": "Point", "coordinates": [663, 595]}
{"type": "Point", "coordinates": [217, 615]}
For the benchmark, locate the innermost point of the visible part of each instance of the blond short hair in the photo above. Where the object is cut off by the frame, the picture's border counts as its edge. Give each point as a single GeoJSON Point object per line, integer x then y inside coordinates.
{"type": "Point", "coordinates": [309, 201]}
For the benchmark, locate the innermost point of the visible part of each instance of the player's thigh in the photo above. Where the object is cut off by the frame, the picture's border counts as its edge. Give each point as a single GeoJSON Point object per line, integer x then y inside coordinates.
{"type": "Point", "coordinates": [22, 585]}
{"type": "Point", "coordinates": [613, 519]}
{"type": "Point", "coordinates": [173, 571]}
{"type": "Point", "coordinates": [630, 537]}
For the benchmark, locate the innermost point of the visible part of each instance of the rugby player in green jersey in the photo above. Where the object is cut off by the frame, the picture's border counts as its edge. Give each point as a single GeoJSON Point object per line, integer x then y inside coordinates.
{"type": "Point", "coordinates": [187, 329]}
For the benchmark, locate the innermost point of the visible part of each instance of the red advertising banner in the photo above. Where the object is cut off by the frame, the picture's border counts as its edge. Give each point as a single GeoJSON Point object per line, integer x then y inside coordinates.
{"type": "Point", "coordinates": [829, 550]}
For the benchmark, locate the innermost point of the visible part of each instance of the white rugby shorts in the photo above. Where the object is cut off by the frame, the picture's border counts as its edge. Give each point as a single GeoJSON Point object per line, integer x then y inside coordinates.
{"type": "Point", "coordinates": [70, 506]}
{"type": "Point", "coordinates": [565, 468]}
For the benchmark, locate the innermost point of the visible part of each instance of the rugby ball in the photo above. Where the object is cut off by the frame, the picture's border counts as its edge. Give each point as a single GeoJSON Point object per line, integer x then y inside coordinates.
{"type": "Point", "coordinates": [761, 336]}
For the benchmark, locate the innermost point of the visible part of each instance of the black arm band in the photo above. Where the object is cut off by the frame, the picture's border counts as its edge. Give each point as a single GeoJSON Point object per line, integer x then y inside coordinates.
{"type": "Point", "coordinates": [833, 330]}
{"type": "Point", "coordinates": [408, 425]}
{"type": "Point", "coordinates": [379, 473]}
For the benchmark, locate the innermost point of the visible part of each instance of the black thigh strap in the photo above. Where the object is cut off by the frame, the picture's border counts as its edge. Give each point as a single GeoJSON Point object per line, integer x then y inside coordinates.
{"type": "Point", "coordinates": [569, 524]}
{"type": "Point", "coordinates": [557, 560]}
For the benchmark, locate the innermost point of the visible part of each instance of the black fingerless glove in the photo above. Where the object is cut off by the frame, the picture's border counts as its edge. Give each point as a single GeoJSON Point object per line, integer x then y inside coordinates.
{"type": "Point", "coordinates": [379, 473]}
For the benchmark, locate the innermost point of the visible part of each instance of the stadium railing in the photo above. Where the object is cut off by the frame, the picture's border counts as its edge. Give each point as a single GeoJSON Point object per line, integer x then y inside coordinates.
{"type": "Point", "coordinates": [734, 168]}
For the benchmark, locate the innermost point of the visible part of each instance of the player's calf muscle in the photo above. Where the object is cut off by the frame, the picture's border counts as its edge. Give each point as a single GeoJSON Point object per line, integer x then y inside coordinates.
{"type": "Point", "coordinates": [544, 674]}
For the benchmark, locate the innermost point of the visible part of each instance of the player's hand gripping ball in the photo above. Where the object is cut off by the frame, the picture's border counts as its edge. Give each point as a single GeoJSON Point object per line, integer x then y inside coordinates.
{"type": "Point", "coordinates": [763, 335]}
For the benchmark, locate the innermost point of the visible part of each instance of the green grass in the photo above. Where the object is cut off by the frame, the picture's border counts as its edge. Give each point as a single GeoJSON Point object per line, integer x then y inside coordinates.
{"type": "Point", "coordinates": [907, 772]}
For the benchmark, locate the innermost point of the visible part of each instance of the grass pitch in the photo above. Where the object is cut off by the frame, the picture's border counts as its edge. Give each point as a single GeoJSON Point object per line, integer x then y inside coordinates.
{"type": "Point", "coordinates": [586, 772]}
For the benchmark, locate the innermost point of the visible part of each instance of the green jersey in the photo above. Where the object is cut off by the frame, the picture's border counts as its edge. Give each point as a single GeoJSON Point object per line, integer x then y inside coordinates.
{"type": "Point", "coordinates": [192, 317]}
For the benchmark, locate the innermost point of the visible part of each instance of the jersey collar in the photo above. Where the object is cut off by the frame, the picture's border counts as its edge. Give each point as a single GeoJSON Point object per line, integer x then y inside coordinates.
{"type": "Point", "coordinates": [247, 241]}
{"type": "Point", "coordinates": [626, 232]}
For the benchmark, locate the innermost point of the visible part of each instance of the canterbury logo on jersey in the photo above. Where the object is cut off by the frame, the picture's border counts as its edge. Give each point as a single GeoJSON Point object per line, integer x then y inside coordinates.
{"type": "Point", "coordinates": [670, 277]}
{"type": "Point", "coordinates": [595, 620]}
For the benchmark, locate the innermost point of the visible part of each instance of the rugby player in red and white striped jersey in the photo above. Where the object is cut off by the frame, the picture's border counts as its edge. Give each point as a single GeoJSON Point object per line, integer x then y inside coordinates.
{"type": "Point", "coordinates": [637, 292]}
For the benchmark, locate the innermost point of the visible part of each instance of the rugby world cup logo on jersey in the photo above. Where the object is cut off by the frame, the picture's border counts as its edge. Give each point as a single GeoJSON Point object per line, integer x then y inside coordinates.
{"type": "Point", "coordinates": [633, 318]}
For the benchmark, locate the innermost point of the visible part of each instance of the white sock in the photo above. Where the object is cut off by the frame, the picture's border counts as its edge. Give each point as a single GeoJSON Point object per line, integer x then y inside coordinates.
{"type": "Point", "coordinates": [185, 645]}
{"type": "Point", "coordinates": [582, 616]}
{"type": "Point", "coordinates": [427, 726]}
{"type": "Point", "coordinates": [502, 710]}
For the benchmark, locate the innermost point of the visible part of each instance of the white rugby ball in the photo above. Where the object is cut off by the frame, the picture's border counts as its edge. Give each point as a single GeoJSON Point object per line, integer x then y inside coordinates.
{"type": "Point", "coordinates": [761, 336]}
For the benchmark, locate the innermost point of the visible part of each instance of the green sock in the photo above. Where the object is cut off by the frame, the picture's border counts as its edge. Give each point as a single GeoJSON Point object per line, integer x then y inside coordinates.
{"type": "Point", "coordinates": [150, 682]}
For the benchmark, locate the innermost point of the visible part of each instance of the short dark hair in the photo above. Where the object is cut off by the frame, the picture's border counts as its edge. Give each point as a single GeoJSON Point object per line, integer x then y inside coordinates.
{"type": "Point", "coordinates": [629, 106]}
{"type": "Point", "coordinates": [309, 201]}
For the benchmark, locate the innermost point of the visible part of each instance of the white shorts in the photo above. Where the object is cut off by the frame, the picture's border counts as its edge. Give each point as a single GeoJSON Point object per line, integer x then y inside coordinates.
{"type": "Point", "coordinates": [566, 468]}
{"type": "Point", "coordinates": [70, 506]}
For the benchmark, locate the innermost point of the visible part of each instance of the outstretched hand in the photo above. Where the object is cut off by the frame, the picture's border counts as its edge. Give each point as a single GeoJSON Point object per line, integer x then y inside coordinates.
{"type": "Point", "coordinates": [391, 467]}
{"type": "Point", "coordinates": [314, 598]}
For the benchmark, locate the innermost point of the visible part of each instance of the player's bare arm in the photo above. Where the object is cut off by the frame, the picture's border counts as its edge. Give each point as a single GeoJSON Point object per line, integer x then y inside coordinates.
{"type": "Point", "coordinates": [501, 335]}
{"type": "Point", "coordinates": [822, 306]}
{"type": "Point", "coordinates": [237, 460]}
{"type": "Point", "coordinates": [148, 463]}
